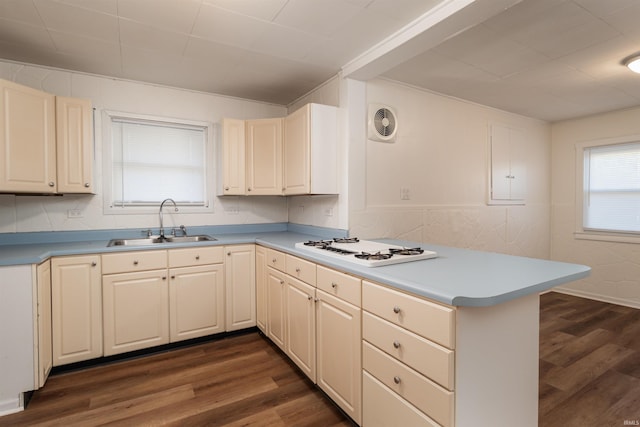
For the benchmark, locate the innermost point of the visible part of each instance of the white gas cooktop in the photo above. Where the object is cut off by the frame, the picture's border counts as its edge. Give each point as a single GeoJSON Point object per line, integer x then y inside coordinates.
{"type": "Point", "coordinates": [365, 252]}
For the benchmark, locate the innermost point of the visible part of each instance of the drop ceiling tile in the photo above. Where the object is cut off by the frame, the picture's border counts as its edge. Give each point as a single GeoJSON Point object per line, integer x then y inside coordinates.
{"type": "Point", "coordinates": [206, 50]}
{"type": "Point", "coordinates": [75, 20]}
{"type": "Point", "coordinates": [603, 59]}
{"type": "Point", "coordinates": [29, 37]}
{"type": "Point", "coordinates": [142, 36]}
{"type": "Point", "coordinates": [228, 28]}
{"type": "Point", "coordinates": [20, 10]}
{"type": "Point", "coordinates": [170, 15]}
{"type": "Point", "coordinates": [317, 17]}
{"type": "Point", "coordinates": [603, 8]}
{"type": "Point", "coordinates": [403, 10]}
{"type": "Point", "coordinates": [83, 46]}
{"type": "Point", "coordinates": [626, 20]}
{"type": "Point", "coordinates": [104, 6]}
{"type": "Point", "coordinates": [263, 9]}
{"type": "Point", "coordinates": [150, 66]}
{"type": "Point", "coordinates": [286, 42]}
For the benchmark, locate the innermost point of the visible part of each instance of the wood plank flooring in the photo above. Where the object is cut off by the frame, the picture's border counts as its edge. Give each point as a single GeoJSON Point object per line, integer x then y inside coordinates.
{"type": "Point", "coordinates": [589, 363]}
{"type": "Point", "coordinates": [589, 377]}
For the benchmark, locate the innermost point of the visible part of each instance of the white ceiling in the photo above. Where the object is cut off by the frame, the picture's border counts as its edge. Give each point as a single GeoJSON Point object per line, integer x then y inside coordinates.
{"type": "Point", "coordinates": [550, 59]}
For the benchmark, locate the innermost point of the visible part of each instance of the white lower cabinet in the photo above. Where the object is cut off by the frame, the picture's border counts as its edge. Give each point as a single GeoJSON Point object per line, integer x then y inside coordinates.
{"type": "Point", "coordinates": [300, 327]}
{"type": "Point", "coordinates": [136, 310]}
{"type": "Point", "coordinates": [408, 359]}
{"type": "Point", "coordinates": [315, 318]}
{"type": "Point", "coordinates": [196, 298]}
{"type": "Point", "coordinates": [76, 308]}
{"type": "Point", "coordinates": [261, 288]}
{"type": "Point", "coordinates": [240, 279]}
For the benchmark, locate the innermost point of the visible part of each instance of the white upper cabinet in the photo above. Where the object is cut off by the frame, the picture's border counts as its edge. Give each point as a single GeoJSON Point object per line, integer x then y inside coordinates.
{"type": "Point", "coordinates": [74, 141]}
{"type": "Point", "coordinates": [310, 153]}
{"type": "Point", "coordinates": [46, 142]}
{"type": "Point", "coordinates": [264, 156]}
{"type": "Point", "coordinates": [507, 171]}
{"type": "Point", "coordinates": [27, 140]}
{"type": "Point", "coordinates": [233, 157]}
{"type": "Point", "coordinates": [252, 157]}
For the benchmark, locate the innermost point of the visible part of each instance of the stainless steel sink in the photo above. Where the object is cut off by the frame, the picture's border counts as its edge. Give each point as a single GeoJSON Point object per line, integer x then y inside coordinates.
{"type": "Point", "coordinates": [187, 239]}
{"type": "Point", "coordinates": [157, 239]}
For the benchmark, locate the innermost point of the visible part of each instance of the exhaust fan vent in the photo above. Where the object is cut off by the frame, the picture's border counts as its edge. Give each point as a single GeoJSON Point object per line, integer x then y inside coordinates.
{"type": "Point", "coordinates": [383, 123]}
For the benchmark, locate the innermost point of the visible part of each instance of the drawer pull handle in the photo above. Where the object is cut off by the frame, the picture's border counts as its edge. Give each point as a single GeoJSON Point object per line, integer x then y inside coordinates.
{"type": "Point", "coordinates": [197, 257]}
{"type": "Point", "coordinates": [282, 282]}
{"type": "Point", "coordinates": [309, 297]}
{"type": "Point", "coordinates": [173, 277]}
{"type": "Point", "coordinates": [396, 309]}
{"type": "Point", "coordinates": [297, 270]}
{"type": "Point", "coordinates": [93, 264]}
{"type": "Point", "coordinates": [86, 184]}
{"type": "Point", "coordinates": [396, 344]}
{"type": "Point", "coordinates": [164, 277]}
{"type": "Point", "coordinates": [334, 285]}
{"type": "Point", "coordinates": [397, 380]}
{"type": "Point", "coordinates": [273, 260]}
{"type": "Point", "coordinates": [135, 262]}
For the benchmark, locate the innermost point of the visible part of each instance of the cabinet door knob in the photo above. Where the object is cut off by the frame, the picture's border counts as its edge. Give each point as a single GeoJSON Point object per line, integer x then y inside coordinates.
{"type": "Point", "coordinates": [249, 189]}
{"type": "Point", "coordinates": [309, 297]}
{"type": "Point", "coordinates": [197, 257]}
{"type": "Point", "coordinates": [273, 260]}
{"type": "Point", "coordinates": [297, 270]}
{"type": "Point", "coordinates": [164, 277]}
{"type": "Point", "coordinates": [396, 309]}
{"type": "Point", "coordinates": [226, 188]}
{"type": "Point", "coordinates": [397, 380]}
{"type": "Point", "coordinates": [51, 184]}
{"type": "Point", "coordinates": [86, 184]}
{"type": "Point", "coordinates": [173, 277]}
{"type": "Point", "coordinates": [93, 264]}
{"type": "Point", "coordinates": [228, 253]}
{"type": "Point", "coordinates": [334, 285]}
{"type": "Point", "coordinates": [282, 282]}
{"type": "Point", "coordinates": [135, 262]}
{"type": "Point", "coordinates": [396, 344]}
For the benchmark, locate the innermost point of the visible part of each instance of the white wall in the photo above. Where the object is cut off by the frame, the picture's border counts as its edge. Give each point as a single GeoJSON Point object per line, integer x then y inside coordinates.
{"type": "Point", "coordinates": [615, 275]}
{"type": "Point", "coordinates": [37, 213]}
{"type": "Point", "coordinates": [440, 154]}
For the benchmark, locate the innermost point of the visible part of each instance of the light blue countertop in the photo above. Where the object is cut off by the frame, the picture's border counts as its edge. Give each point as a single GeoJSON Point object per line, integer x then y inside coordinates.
{"type": "Point", "coordinates": [457, 277]}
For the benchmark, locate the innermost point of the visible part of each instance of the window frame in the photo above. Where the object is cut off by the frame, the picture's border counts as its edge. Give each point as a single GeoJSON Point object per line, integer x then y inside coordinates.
{"type": "Point", "coordinates": [582, 233]}
{"type": "Point", "coordinates": [110, 208]}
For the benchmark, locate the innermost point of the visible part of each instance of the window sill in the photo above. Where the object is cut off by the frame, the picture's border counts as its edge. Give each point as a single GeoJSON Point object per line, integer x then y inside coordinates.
{"type": "Point", "coordinates": [607, 237]}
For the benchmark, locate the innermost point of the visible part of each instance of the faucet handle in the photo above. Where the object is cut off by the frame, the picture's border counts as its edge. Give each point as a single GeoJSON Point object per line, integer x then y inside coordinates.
{"type": "Point", "coordinates": [147, 232]}
{"type": "Point", "coordinates": [184, 230]}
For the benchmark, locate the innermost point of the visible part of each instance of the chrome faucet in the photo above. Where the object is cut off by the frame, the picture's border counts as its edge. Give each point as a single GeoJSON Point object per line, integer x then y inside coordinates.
{"type": "Point", "coordinates": [160, 214]}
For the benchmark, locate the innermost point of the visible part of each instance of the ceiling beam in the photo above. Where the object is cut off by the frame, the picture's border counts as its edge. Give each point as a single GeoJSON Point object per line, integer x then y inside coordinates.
{"type": "Point", "coordinates": [447, 19]}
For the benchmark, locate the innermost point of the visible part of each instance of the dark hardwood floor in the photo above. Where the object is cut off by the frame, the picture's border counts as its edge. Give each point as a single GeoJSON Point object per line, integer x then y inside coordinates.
{"type": "Point", "coordinates": [589, 377]}
{"type": "Point", "coordinates": [589, 363]}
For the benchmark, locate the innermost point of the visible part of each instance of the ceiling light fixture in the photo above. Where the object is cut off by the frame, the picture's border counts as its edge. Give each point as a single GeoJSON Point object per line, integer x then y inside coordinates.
{"type": "Point", "coordinates": [633, 63]}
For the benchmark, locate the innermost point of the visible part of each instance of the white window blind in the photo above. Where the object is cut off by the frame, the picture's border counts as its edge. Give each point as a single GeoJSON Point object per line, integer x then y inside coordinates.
{"type": "Point", "coordinates": [153, 160]}
{"type": "Point", "coordinates": [612, 188]}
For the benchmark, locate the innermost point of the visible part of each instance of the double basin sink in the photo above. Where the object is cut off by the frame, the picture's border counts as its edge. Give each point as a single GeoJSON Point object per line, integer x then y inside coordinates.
{"type": "Point", "coordinates": [152, 240]}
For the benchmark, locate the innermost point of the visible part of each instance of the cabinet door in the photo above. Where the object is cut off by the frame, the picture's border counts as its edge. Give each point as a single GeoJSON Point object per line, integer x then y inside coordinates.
{"type": "Point", "coordinates": [196, 297]}
{"type": "Point", "coordinates": [45, 355]}
{"type": "Point", "coordinates": [136, 310]}
{"type": "Point", "coordinates": [264, 156]}
{"type": "Point", "coordinates": [27, 140]}
{"type": "Point", "coordinates": [233, 157]}
{"type": "Point", "coordinates": [339, 352]}
{"type": "Point", "coordinates": [76, 308]}
{"type": "Point", "coordinates": [261, 288]}
{"type": "Point", "coordinates": [301, 326]}
{"type": "Point", "coordinates": [296, 158]}
{"type": "Point", "coordinates": [276, 307]}
{"type": "Point", "coordinates": [74, 144]}
{"type": "Point", "coordinates": [240, 283]}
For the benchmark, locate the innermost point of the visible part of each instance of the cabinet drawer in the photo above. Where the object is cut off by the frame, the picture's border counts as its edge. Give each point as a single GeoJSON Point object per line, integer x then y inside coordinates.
{"type": "Point", "coordinates": [381, 407]}
{"type": "Point", "coordinates": [426, 357]}
{"type": "Point", "coordinates": [339, 284]}
{"type": "Point", "coordinates": [196, 256]}
{"type": "Point", "coordinates": [276, 259]}
{"type": "Point", "coordinates": [123, 262]}
{"type": "Point", "coordinates": [424, 394]}
{"type": "Point", "coordinates": [301, 269]}
{"type": "Point", "coordinates": [430, 320]}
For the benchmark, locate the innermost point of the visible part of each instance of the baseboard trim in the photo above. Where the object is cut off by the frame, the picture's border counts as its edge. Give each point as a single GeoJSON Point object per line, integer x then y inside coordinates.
{"type": "Point", "coordinates": [597, 297]}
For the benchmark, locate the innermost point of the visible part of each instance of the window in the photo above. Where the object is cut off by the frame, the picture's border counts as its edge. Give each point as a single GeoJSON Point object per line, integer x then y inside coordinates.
{"type": "Point", "coordinates": [610, 197]}
{"type": "Point", "coordinates": [150, 159]}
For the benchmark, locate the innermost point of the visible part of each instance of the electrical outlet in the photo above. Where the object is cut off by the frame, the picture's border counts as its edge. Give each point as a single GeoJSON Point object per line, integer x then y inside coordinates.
{"type": "Point", "coordinates": [232, 210]}
{"type": "Point", "coordinates": [405, 193]}
{"type": "Point", "coordinates": [74, 213]}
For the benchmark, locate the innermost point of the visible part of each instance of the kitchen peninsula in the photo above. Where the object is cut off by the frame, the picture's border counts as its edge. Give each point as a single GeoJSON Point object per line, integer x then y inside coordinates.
{"type": "Point", "coordinates": [487, 302]}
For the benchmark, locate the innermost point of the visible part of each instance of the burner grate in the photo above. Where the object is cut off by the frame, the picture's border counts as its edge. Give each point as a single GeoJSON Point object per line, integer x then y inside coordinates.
{"type": "Point", "coordinates": [375, 256]}
{"type": "Point", "coordinates": [346, 239]}
{"type": "Point", "coordinates": [406, 251]}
